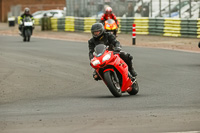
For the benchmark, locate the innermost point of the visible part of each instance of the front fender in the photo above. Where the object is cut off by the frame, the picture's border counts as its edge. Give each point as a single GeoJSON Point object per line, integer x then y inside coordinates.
{"type": "Point", "coordinates": [109, 69]}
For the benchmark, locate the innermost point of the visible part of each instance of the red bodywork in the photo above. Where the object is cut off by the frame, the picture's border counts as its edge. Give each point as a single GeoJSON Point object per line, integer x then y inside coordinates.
{"type": "Point", "coordinates": [105, 17]}
{"type": "Point", "coordinates": [115, 63]}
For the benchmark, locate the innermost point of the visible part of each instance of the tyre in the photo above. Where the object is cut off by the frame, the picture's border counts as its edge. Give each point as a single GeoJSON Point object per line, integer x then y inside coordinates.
{"type": "Point", "coordinates": [28, 34]}
{"type": "Point", "coordinates": [135, 88]}
{"type": "Point", "coordinates": [24, 39]}
{"type": "Point", "coordinates": [28, 38]}
{"type": "Point", "coordinates": [112, 85]}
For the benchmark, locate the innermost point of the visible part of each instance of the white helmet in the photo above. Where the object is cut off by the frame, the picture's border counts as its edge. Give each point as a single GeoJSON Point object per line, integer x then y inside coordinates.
{"type": "Point", "coordinates": [26, 10]}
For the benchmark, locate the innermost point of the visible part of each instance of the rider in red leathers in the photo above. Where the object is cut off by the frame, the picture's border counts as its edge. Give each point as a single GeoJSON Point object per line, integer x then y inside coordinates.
{"type": "Point", "coordinates": [109, 15]}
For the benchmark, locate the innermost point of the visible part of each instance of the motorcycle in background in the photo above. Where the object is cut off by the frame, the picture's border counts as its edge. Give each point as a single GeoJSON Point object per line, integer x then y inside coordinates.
{"type": "Point", "coordinates": [111, 26]}
{"type": "Point", "coordinates": [113, 71]}
{"type": "Point", "coordinates": [27, 28]}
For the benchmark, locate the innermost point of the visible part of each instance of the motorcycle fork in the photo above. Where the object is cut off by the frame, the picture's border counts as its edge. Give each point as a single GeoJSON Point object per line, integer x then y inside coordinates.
{"type": "Point", "coordinates": [115, 76]}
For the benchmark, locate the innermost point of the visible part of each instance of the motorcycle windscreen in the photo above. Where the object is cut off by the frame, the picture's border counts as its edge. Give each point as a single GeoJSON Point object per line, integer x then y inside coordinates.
{"type": "Point", "coordinates": [99, 50]}
{"type": "Point", "coordinates": [27, 19]}
{"type": "Point", "coordinates": [110, 21]}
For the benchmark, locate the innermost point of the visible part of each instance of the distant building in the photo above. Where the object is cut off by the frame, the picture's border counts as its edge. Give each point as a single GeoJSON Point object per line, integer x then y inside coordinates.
{"type": "Point", "coordinates": [16, 7]}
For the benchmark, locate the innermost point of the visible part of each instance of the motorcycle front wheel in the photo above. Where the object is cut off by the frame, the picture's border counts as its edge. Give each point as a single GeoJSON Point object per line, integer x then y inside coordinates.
{"type": "Point", "coordinates": [27, 35]}
{"type": "Point", "coordinates": [112, 84]}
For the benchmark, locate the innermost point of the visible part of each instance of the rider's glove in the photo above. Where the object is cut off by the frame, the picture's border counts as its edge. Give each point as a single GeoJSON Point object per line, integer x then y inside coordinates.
{"type": "Point", "coordinates": [117, 49]}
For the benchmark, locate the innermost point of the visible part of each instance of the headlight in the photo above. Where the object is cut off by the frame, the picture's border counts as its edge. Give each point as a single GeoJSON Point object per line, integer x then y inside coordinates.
{"type": "Point", "coordinates": [106, 57]}
{"type": "Point", "coordinates": [95, 62]}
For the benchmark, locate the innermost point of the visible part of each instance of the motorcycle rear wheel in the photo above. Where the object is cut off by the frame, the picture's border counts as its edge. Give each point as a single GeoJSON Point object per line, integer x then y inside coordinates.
{"type": "Point", "coordinates": [112, 85]}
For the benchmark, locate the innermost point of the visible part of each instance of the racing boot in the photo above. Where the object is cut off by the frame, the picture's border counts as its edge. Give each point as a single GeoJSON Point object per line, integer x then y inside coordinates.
{"type": "Point", "coordinates": [132, 72]}
{"type": "Point", "coordinates": [130, 66]}
{"type": "Point", "coordinates": [131, 69]}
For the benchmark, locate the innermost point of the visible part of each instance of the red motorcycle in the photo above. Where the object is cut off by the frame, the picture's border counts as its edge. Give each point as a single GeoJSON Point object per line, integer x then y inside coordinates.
{"type": "Point", "coordinates": [113, 71]}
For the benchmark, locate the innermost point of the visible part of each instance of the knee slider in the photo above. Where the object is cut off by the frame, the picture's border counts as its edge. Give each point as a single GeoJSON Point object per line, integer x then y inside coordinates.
{"type": "Point", "coordinates": [130, 56]}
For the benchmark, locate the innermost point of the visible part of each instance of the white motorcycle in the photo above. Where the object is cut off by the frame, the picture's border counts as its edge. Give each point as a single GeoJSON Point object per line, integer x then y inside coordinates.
{"type": "Point", "coordinates": [27, 28]}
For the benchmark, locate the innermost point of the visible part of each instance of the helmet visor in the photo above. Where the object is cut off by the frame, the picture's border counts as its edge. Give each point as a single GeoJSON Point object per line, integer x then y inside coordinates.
{"type": "Point", "coordinates": [97, 33]}
{"type": "Point", "coordinates": [108, 12]}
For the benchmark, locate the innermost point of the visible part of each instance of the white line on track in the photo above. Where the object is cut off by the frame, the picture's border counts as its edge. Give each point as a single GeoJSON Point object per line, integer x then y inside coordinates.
{"type": "Point", "coordinates": [185, 132]}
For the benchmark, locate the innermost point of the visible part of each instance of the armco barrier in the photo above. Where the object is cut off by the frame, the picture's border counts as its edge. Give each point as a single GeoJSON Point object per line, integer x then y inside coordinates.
{"type": "Point", "coordinates": [37, 21]}
{"type": "Point", "coordinates": [60, 24]}
{"type": "Point", "coordinates": [159, 26]}
{"type": "Point", "coordinates": [119, 28]}
{"type": "Point", "coordinates": [122, 25]}
{"type": "Point", "coordinates": [174, 27]}
{"type": "Point", "coordinates": [69, 24]}
{"type": "Point", "coordinates": [142, 25]}
{"type": "Point", "coordinates": [152, 26]}
{"type": "Point", "coordinates": [54, 24]}
{"type": "Point", "coordinates": [198, 30]}
{"type": "Point", "coordinates": [88, 22]}
{"type": "Point", "coordinates": [79, 24]}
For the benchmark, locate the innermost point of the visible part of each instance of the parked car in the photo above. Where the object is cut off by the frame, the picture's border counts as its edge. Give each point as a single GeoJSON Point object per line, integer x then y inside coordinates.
{"type": "Point", "coordinates": [37, 13]}
{"type": "Point", "coordinates": [49, 13]}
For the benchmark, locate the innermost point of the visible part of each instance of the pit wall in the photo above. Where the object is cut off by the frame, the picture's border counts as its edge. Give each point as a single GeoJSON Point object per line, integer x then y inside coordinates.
{"type": "Point", "coordinates": [174, 27]}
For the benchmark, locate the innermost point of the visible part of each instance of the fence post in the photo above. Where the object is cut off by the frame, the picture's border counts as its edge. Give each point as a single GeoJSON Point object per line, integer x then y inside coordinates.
{"type": "Point", "coordinates": [199, 45]}
{"type": "Point", "coordinates": [134, 34]}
